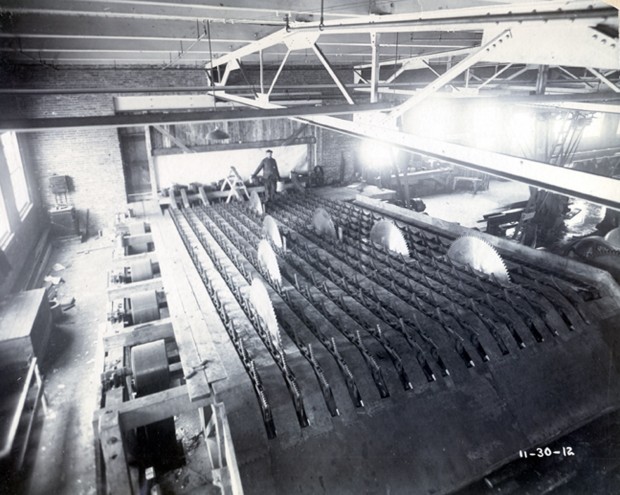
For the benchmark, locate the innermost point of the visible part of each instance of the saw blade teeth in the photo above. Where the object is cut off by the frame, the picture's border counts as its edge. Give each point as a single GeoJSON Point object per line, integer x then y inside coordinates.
{"type": "Point", "coordinates": [259, 298]}
{"type": "Point", "coordinates": [255, 203]}
{"type": "Point", "coordinates": [268, 260]}
{"type": "Point", "coordinates": [389, 235]}
{"type": "Point", "coordinates": [613, 237]}
{"type": "Point", "coordinates": [271, 230]}
{"type": "Point", "coordinates": [323, 223]}
{"type": "Point", "coordinates": [480, 255]}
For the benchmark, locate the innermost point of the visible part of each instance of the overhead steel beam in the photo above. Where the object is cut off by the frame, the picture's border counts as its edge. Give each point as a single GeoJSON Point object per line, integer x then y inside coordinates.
{"type": "Point", "coordinates": [417, 60]}
{"type": "Point", "coordinates": [494, 76]}
{"type": "Point", "coordinates": [604, 80]}
{"type": "Point", "coordinates": [321, 56]}
{"type": "Point", "coordinates": [549, 13]}
{"type": "Point", "coordinates": [113, 121]}
{"type": "Point", "coordinates": [580, 105]}
{"type": "Point", "coordinates": [277, 75]}
{"type": "Point", "coordinates": [450, 74]}
{"type": "Point", "coordinates": [594, 188]}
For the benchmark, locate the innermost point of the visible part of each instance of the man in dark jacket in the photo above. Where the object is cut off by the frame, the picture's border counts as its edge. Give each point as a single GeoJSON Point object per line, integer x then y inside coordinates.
{"type": "Point", "coordinates": [271, 175]}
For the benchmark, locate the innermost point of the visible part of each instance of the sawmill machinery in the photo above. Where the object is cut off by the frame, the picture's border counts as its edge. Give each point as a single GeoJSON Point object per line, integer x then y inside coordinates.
{"type": "Point", "coordinates": [425, 352]}
{"type": "Point", "coordinates": [140, 307]}
{"type": "Point", "coordinates": [135, 271]}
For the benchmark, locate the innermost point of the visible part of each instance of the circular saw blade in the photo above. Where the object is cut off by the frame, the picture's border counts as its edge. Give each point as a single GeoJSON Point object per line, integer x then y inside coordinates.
{"type": "Point", "coordinates": [389, 235]}
{"type": "Point", "coordinates": [323, 224]}
{"type": "Point", "coordinates": [259, 298]}
{"type": "Point", "coordinates": [270, 229]}
{"type": "Point", "coordinates": [613, 237]}
{"type": "Point", "coordinates": [268, 260]}
{"type": "Point", "coordinates": [480, 256]}
{"type": "Point", "coordinates": [256, 204]}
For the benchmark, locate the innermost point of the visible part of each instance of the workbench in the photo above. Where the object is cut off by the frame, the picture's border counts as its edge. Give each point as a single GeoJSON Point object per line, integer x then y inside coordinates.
{"type": "Point", "coordinates": [25, 327]}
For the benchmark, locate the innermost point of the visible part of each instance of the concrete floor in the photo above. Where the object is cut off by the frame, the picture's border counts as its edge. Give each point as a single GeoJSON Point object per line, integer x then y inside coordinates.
{"type": "Point", "coordinates": [64, 462]}
{"type": "Point", "coordinates": [467, 208]}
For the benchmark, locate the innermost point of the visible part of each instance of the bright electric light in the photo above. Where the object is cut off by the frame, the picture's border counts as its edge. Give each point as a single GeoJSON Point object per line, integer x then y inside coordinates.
{"type": "Point", "coordinates": [374, 154]}
{"type": "Point", "coordinates": [486, 124]}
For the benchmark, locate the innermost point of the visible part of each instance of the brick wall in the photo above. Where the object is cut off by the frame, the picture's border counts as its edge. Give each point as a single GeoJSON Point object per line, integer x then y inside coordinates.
{"type": "Point", "coordinates": [92, 158]}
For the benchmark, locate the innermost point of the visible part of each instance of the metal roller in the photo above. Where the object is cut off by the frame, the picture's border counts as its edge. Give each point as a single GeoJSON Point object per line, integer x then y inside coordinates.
{"type": "Point", "coordinates": [141, 270]}
{"type": "Point", "coordinates": [149, 365]}
{"type": "Point", "coordinates": [144, 307]}
{"type": "Point", "coordinates": [136, 228]}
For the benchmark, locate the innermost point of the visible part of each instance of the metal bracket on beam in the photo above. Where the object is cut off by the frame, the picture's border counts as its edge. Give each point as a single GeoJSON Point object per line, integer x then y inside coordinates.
{"type": "Point", "coordinates": [450, 74]}
{"type": "Point", "coordinates": [330, 70]}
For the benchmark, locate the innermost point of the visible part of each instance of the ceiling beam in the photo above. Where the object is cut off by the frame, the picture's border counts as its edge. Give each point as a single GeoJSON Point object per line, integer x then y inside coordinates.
{"type": "Point", "coordinates": [139, 120]}
{"type": "Point", "coordinates": [604, 80]}
{"type": "Point", "coordinates": [450, 74]}
{"type": "Point", "coordinates": [544, 14]}
{"type": "Point", "coordinates": [594, 188]}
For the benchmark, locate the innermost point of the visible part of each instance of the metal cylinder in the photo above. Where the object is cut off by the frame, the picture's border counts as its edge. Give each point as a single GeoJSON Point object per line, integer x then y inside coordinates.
{"type": "Point", "coordinates": [137, 228]}
{"type": "Point", "coordinates": [144, 307]}
{"type": "Point", "coordinates": [149, 365]}
{"type": "Point", "coordinates": [141, 270]}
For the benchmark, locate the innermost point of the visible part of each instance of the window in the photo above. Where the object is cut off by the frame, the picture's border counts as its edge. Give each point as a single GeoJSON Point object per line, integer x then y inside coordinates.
{"type": "Point", "coordinates": [4, 221]}
{"type": "Point", "coordinates": [13, 157]}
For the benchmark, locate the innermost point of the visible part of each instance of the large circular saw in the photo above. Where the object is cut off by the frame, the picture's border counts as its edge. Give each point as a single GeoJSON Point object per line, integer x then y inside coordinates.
{"type": "Point", "coordinates": [323, 224]}
{"type": "Point", "coordinates": [256, 204]}
{"type": "Point", "coordinates": [260, 301]}
{"type": "Point", "coordinates": [389, 235]}
{"type": "Point", "coordinates": [480, 256]}
{"type": "Point", "coordinates": [271, 231]}
{"type": "Point", "coordinates": [267, 259]}
{"type": "Point", "coordinates": [613, 237]}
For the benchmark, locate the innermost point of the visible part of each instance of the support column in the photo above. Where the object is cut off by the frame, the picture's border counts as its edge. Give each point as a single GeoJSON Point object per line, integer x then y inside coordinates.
{"type": "Point", "coordinates": [375, 68]}
{"type": "Point", "coordinates": [149, 157]}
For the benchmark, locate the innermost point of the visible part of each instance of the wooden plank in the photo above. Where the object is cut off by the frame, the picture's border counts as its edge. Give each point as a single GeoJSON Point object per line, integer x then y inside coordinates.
{"type": "Point", "coordinates": [111, 440]}
{"type": "Point", "coordinates": [154, 407]}
{"type": "Point", "coordinates": [203, 196]}
{"type": "Point", "coordinates": [140, 334]}
{"type": "Point", "coordinates": [18, 313]}
{"type": "Point", "coordinates": [204, 306]}
{"type": "Point", "coordinates": [182, 308]}
{"type": "Point", "coordinates": [185, 198]}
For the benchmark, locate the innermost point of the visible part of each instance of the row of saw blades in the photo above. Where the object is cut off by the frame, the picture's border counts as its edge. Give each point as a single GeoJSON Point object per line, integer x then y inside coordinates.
{"type": "Point", "coordinates": [467, 250]}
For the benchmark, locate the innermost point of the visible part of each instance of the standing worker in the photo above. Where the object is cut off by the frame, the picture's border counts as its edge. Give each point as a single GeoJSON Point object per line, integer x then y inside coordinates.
{"type": "Point", "coordinates": [271, 175]}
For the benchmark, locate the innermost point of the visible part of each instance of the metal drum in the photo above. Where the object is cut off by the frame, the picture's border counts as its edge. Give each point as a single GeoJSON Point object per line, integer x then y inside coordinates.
{"type": "Point", "coordinates": [149, 365]}
{"type": "Point", "coordinates": [144, 307]}
{"type": "Point", "coordinates": [141, 270]}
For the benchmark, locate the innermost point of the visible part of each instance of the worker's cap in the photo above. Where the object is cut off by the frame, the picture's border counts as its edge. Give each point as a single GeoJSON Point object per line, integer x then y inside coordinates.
{"type": "Point", "coordinates": [268, 151]}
